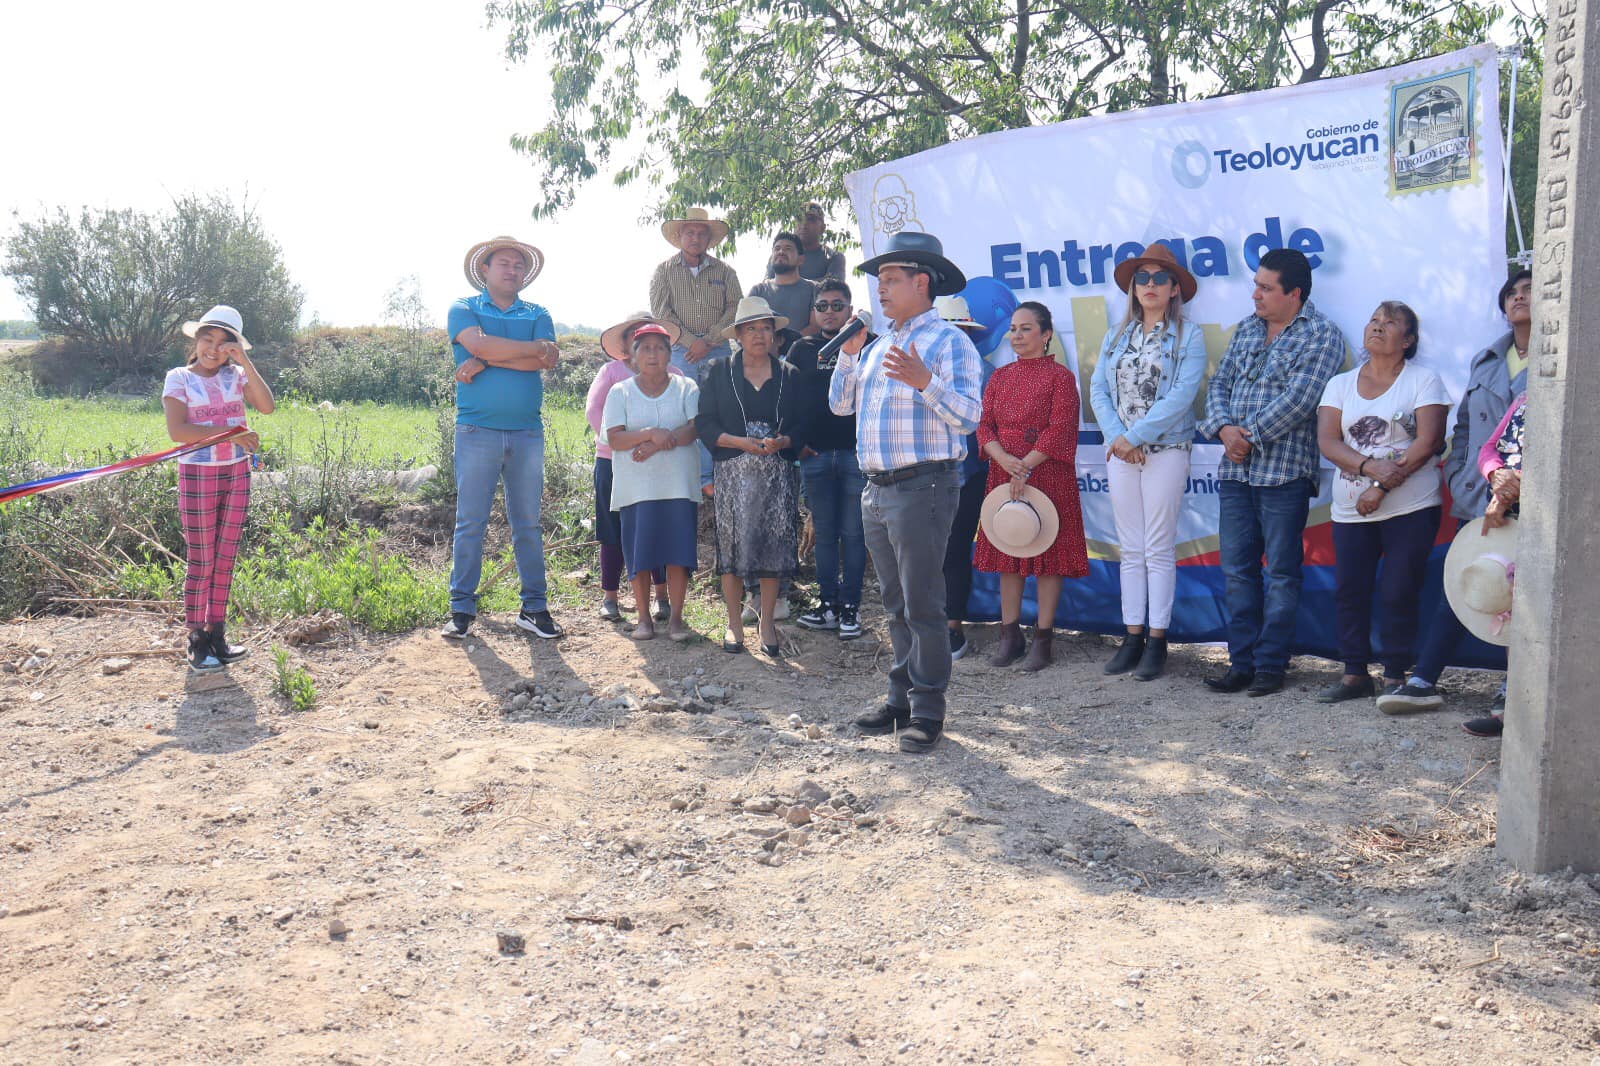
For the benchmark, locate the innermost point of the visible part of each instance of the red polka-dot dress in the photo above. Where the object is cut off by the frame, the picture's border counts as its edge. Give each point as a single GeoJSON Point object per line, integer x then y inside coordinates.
{"type": "Point", "coordinates": [1032, 405]}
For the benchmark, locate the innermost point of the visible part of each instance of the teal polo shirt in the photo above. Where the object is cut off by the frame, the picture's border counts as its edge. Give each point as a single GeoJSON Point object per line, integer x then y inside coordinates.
{"type": "Point", "coordinates": [498, 398]}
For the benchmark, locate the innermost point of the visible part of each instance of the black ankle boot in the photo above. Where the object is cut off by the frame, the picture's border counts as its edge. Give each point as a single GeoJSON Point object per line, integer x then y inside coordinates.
{"type": "Point", "coordinates": [1153, 661]}
{"type": "Point", "coordinates": [226, 653]}
{"type": "Point", "coordinates": [1128, 653]}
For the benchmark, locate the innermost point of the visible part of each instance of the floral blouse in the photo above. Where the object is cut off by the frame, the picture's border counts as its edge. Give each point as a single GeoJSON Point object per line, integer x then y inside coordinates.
{"type": "Point", "coordinates": [1138, 378]}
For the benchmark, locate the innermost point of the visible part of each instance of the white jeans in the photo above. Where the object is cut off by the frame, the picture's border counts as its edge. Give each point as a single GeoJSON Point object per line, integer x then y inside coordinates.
{"type": "Point", "coordinates": [1146, 498]}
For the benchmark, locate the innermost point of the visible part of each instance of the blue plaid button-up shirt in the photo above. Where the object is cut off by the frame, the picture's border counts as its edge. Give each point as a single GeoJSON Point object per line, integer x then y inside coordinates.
{"type": "Point", "coordinates": [1272, 392]}
{"type": "Point", "coordinates": [897, 425]}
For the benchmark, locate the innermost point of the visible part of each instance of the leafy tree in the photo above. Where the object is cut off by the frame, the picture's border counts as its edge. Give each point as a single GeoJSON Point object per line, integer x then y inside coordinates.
{"type": "Point", "coordinates": [120, 283]}
{"type": "Point", "coordinates": [758, 106]}
{"type": "Point", "coordinates": [19, 329]}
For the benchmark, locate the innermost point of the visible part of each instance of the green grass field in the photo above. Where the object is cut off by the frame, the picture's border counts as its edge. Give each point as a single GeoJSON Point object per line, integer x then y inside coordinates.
{"type": "Point", "coordinates": [374, 436]}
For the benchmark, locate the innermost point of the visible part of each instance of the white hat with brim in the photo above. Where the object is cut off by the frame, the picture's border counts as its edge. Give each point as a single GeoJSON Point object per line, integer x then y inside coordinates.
{"type": "Point", "coordinates": [954, 310]}
{"type": "Point", "coordinates": [753, 309]}
{"type": "Point", "coordinates": [222, 317]}
{"type": "Point", "coordinates": [672, 228]}
{"type": "Point", "coordinates": [1479, 576]}
{"type": "Point", "coordinates": [616, 340]}
{"type": "Point", "coordinates": [479, 254]}
{"type": "Point", "coordinates": [1020, 528]}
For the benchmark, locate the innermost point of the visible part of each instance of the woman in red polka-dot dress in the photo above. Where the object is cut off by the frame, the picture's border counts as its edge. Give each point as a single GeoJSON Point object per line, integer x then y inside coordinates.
{"type": "Point", "coordinates": [1029, 432]}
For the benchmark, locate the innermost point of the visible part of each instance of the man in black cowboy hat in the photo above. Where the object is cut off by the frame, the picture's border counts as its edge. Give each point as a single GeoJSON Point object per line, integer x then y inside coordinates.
{"type": "Point", "coordinates": [916, 392]}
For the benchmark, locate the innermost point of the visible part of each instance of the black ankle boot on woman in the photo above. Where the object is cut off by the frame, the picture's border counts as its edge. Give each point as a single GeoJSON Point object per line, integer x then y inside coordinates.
{"type": "Point", "coordinates": [1128, 653]}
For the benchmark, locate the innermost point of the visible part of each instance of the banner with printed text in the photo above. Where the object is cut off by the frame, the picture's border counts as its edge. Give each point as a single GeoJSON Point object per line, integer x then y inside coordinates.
{"type": "Point", "coordinates": [1390, 182]}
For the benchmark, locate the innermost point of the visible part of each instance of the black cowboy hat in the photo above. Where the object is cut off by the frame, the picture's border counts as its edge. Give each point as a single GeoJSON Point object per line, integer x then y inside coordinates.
{"type": "Point", "coordinates": [908, 248]}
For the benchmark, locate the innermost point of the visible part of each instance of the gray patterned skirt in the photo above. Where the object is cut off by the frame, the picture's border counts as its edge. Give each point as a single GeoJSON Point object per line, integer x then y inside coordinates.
{"type": "Point", "coordinates": [757, 502]}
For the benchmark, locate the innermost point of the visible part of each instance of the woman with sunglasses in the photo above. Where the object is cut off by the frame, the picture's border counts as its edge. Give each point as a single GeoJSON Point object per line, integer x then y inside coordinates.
{"type": "Point", "coordinates": [1142, 391]}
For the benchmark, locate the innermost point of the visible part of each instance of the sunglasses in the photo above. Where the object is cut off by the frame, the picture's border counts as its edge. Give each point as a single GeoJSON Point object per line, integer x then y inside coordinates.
{"type": "Point", "coordinates": [829, 305]}
{"type": "Point", "coordinates": [1146, 277]}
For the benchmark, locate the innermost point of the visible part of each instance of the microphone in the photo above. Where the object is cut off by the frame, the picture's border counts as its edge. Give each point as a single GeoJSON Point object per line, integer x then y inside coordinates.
{"type": "Point", "coordinates": [830, 351]}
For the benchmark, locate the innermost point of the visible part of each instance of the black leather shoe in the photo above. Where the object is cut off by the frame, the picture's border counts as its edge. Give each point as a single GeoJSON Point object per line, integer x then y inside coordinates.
{"type": "Point", "coordinates": [920, 736]}
{"type": "Point", "coordinates": [885, 719]}
{"type": "Point", "coordinates": [1235, 680]}
{"type": "Point", "coordinates": [1265, 685]}
{"type": "Point", "coordinates": [1153, 661]}
{"type": "Point", "coordinates": [1128, 653]}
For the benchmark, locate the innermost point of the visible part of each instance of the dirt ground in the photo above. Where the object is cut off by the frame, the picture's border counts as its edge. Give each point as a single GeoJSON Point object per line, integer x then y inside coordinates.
{"type": "Point", "coordinates": [1088, 869]}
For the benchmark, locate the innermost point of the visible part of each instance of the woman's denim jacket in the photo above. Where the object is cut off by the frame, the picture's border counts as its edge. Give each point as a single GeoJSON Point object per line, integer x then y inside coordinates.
{"type": "Point", "coordinates": [1171, 418]}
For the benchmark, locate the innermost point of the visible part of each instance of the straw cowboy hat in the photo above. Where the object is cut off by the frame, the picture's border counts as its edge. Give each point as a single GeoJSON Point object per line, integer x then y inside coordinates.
{"type": "Point", "coordinates": [672, 227]}
{"type": "Point", "coordinates": [479, 254]}
{"type": "Point", "coordinates": [1159, 256]}
{"type": "Point", "coordinates": [223, 317]}
{"type": "Point", "coordinates": [1479, 575]}
{"type": "Point", "coordinates": [921, 251]}
{"type": "Point", "coordinates": [615, 341]}
{"type": "Point", "coordinates": [753, 309]}
{"type": "Point", "coordinates": [954, 310]}
{"type": "Point", "coordinates": [1021, 528]}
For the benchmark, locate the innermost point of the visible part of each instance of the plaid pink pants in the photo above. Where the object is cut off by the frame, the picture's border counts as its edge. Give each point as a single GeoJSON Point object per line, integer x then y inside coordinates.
{"type": "Point", "coordinates": [212, 503]}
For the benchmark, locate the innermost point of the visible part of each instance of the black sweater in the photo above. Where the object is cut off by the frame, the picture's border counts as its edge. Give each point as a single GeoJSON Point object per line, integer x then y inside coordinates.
{"type": "Point", "coordinates": [827, 431]}
{"type": "Point", "coordinates": [780, 402]}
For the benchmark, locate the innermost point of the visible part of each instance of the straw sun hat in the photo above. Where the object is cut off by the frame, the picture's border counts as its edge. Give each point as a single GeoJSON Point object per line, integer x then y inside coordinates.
{"type": "Point", "coordinates": [753, 309]}
{"type": "Point", "coordinates": [614, 341]}
{"type": "Point", "coordinates": [223, 317]}
{"type": "Point", "coordinates": [1020, 528]}
{"type": "Point", "coordinates": [954, 310]}
{"type": "Point", "coordinates": [672, 228]}
{"type": "Point", "coordinates": [479, 254]}
{"type": "Point", "coordinates": [1479, 575]}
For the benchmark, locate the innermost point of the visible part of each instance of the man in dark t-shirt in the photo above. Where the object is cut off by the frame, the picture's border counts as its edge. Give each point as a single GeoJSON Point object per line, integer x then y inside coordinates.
{"type": "Point", "coordinates": [832, 474]}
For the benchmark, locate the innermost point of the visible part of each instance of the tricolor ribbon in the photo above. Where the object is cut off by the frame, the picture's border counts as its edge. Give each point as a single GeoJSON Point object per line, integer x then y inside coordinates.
{"type": "Point", "coordinates": [122, 466]}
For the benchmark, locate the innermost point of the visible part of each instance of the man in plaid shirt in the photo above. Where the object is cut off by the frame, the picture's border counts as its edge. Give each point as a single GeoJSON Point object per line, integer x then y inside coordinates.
{"type": "Point", "coordinates": [916, 392]}
{"type": "Point", "coordinates": [1262, 406]}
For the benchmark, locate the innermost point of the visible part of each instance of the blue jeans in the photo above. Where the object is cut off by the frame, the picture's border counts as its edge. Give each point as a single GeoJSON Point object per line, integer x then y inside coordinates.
{"type": "Point", "coordinates": [1255, 522]}
{"type": "Point", "coordinates": [695, 372]}
{"type": "Point", "coordinates": [833, 491]}
{"type": "Point", "coordinates": [483, 458]}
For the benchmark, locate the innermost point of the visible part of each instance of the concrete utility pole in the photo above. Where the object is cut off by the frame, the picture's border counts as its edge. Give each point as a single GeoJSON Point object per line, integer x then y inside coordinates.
{"type": "Point", "coordinates": [1550, 772]}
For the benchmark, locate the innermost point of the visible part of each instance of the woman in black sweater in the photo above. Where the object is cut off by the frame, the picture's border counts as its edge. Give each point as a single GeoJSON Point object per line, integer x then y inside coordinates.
{"type": "Point", "coordinates": [752, 417]}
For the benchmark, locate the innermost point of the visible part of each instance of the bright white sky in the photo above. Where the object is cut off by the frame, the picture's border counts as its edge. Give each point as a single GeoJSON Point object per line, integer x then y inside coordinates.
{"type": "Point", "coordinates": [374, 138]}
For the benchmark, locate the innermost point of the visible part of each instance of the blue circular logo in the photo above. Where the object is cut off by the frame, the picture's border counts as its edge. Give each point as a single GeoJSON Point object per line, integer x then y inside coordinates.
{"type": "Point", "coordinates": [1191, 164]}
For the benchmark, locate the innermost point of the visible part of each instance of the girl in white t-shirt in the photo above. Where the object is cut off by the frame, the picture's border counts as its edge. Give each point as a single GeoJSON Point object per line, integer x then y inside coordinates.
{"type": "Point", "coordinates": [207, 395]}
{"type": "Point", "coordinates": [1382, 426]}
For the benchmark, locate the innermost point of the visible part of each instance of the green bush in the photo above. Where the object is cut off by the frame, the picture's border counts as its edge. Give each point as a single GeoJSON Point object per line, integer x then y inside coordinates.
{"type": "Point", "coordinates": [383, 364]}
{"type": "Point", "coordinates": [295, 573]}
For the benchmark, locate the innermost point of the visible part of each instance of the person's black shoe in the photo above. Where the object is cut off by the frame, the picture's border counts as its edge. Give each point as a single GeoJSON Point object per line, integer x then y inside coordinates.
{"type": "Point", "coordinates": [1235, 680]}
{"type": "Point", "coordinates": [456, 628]}
{"type": "Point", "coordinates": [1499, 704]}
{"type": "Point", "coordinates": [1342, 690]}
{"type": "Point", "coordinates": [540, 624]}
{"type": "Point", "coordinates": [1490, 725]}
{"type": "Point", "coordinates": [920, 736]}
{"type": "Point", "coordinates": [1127, 656]}
{"type": "Point", "coordinates": [849, 622]}
{"type": "Point", "coordinates": [885, 719]}
{"type": "Point", "coordinates": [1265, 684]}
{"type": "Point", "coordinates": [958, 643]}
{"type": "Point", "coordinates": [1153, 661]}
{"type": "Point", "coordinates": [202, 660]}
{"type": "Point", "coordinates": [226, 653]}
{"type": "Point", "coordinates": [663, 610]}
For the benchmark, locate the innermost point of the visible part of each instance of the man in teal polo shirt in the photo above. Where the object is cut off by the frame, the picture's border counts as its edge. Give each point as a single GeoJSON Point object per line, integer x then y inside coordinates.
{"type": "Point", "coordinates": [501, 344]}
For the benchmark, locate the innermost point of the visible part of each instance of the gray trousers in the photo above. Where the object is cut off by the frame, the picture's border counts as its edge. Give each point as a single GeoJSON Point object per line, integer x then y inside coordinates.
{"type": "Point", "coordinates": [907, 527]}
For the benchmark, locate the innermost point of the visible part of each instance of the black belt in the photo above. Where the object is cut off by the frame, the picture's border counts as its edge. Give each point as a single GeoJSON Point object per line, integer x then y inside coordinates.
{"type": "Point", "coordinates": [906, 473]}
